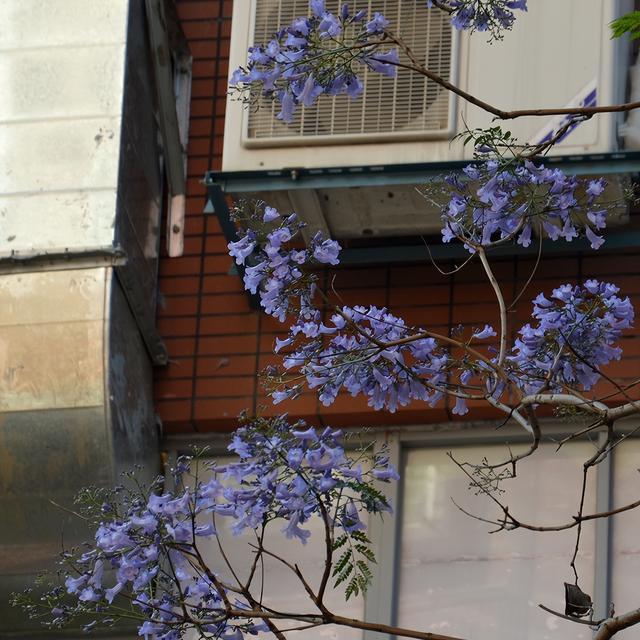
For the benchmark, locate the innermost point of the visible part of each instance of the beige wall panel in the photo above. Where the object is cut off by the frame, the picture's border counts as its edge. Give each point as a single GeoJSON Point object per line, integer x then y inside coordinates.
{"type": "Point", "coordinates": [52, 339]}
{"type": "Point", "coordinates": [69, 220]}
{"type": "Point", "coordinates": [59, 155]}
{"type": "Point", "coordinates": [38, 23]}
{"type": "Point", "coordinates": [49, 297]}
{"type": "Point", "coordinates": [61, 82]}
{"type": "Point", "coordinates": [57, 365]}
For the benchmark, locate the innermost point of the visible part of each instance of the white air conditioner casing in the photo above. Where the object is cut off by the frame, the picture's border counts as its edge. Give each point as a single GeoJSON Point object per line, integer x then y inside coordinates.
{"type": "Point", "coordinates": [558, 53]}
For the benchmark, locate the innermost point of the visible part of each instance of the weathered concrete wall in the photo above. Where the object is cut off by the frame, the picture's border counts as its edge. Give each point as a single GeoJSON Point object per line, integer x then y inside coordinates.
{"type": "Point", "coordinates": [53, 432]}
{"type": "Point", "coordinates": [75, 409]}
{"type": "Point", "coordinates": [61, 87]}
{"type": "Point", "coordinates": [80, 173]}
{"type": "Point", "coordinates": [133, 430]}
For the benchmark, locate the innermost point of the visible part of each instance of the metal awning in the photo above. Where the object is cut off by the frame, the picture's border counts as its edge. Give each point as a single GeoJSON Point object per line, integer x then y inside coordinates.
{"type": "Point", "coordinates": [380, 202]}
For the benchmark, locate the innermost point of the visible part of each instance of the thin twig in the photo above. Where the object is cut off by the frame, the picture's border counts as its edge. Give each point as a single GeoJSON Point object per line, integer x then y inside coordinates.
{"type": "Point", "coordinates": [590, 623]}
{"type": "Point", "coordinates": [501, 305]}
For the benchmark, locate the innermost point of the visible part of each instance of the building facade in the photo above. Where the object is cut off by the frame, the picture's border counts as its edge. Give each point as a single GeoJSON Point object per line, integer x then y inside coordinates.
{"type": "Point", "coordinates": [102, 228]}
{"type": "Point", "coordinates": [83, 162]}
{"type": "Point", "coordinates": [430, 575]}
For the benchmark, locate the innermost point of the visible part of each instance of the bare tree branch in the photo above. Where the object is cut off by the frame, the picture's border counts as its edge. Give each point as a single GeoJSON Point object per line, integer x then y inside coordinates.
{"type": "Point", "coordinates": [612, 625]}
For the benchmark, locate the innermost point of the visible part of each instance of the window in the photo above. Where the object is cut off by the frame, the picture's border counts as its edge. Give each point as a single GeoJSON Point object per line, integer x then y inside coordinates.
{"type": "Point", "coordinates": [625, 539]}
{"type": "Point", "coordinates": [457, 579]}
{"type": "Point", "coordinates": [441, 571]}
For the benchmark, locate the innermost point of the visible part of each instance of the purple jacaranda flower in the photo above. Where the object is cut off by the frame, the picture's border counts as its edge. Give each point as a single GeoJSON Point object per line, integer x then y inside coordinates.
{"type": "Point", "coordinates": [295, 457]}
{"type": "Point", "coordinates": [329, 26]}
{"type": "Point", "coordinates": [595, 240]}
{"type": "Point", "coordinates": [325, 251]}
{"type": "Point", "coordinates": [351, 519]}
{"type": "Point", "coordinates": [149, 628]}
{"type": "Point", "coordinates": [254, 275]}
{"type": "Point", "coordinates": [307, 93]}
{"type": "Point", "coordinates": [460, 408]}
{"type": "Point", "coordinates": [386, 473]}
{"type": "Point", "coordinates": [73, 585]}
{"type": "Point", "coordinates": [89, 594]}
{"type": "Point", "coordinates": [377, 24]}
{"type": "Point", "coordinates": [147, 522]}
{"type": "Point", "coordinates": [111, 593]}
{"type": "Point", "coordinates": [487, 332]}
{"type": "Point", "coordinates": [317, 7]}
{"type": "Point", "coordinates": [241, 249]}
{"type": "Point", "coordinates": [279, 236]}
{"type": "Point", "coordinates": [292, 530]}
{"type": "Point", "coordinates": [270, 214]}
{"type": "Point", "coordinates": [287, 107]}
{"type": "Point", "coordinates": [385, 63]}
{"type": "Point", "coordinates": [113, 536]}
{"type": "Point", "coordinates": [308, 434]}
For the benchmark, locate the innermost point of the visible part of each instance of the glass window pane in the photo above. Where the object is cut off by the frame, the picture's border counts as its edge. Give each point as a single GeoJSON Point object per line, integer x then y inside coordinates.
{"type": "Point", "coordinates": [282, 590]}
{"type": "Point", "coordinates": [458, 579]}
{"type": "Point", "coordinates": [626, 542]}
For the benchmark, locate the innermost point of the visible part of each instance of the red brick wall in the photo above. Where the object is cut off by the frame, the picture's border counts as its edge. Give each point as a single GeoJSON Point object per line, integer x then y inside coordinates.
{"type": "Point", "coordinates": [217, 344]}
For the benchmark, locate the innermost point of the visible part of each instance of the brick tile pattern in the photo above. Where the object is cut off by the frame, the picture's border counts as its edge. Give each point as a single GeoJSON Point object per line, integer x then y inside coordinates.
{"type": "Point", "coordinates": [218, 344]}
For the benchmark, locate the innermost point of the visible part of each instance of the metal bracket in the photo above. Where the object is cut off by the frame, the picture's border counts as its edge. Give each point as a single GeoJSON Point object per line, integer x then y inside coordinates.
{"type": "Point", "coordinates": [144, 319]}
{"type": "Point", "coordinates": [307, 200]}
{"type": "Point", "coordinates": [162, 22]}
{"type": "Point", "coordinates": [55, 259]}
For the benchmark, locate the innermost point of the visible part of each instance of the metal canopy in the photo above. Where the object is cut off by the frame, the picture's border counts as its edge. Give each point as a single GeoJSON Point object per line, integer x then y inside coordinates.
{"type": "Point", "coordinates": [380, 202]}
{"type": "Point", "coordinates": [417, 173]}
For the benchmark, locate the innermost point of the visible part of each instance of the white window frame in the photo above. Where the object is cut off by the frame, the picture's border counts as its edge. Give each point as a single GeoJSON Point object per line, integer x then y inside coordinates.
{"type": "Point", "coordinates": [380, 604]}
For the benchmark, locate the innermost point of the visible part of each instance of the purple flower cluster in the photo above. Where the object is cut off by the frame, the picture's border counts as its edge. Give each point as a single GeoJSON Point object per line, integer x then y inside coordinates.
{"type": "Point", "coordinates": [492, 204]}
{"type": "Point", "coordinates": [573, 337]}
{"type": "Point", "coordinates": [372, 352]}
{"type": "Point", "coordinates": [482, 15]}
{"type": "Point", "coordinates": [315, 55]}
{"type": "Point", "coordinates": [293, 473]}
{"type": "Point", "coordinates": [140, 542]}
{"type": "Point", "coordinates": [278, 272]}
{"type": "Point", "coordinates": [363, 351]}
{"type": "Point", "coordinates": [146, 544]}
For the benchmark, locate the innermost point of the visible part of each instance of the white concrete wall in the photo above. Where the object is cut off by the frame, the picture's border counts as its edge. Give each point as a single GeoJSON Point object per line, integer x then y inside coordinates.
{"type": "Point", "coordinates": [61, 84]}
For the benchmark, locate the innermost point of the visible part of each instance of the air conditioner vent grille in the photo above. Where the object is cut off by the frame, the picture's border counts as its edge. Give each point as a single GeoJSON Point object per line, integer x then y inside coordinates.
{"type": "Point", "coordinates": [389, 106]}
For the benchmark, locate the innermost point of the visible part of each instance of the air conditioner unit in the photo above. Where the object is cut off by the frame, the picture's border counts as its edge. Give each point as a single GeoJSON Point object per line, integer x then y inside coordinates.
{"type": "Point", "coordinates": [558, 54]}
{"type": "Point", "coordinates": [406, 108]}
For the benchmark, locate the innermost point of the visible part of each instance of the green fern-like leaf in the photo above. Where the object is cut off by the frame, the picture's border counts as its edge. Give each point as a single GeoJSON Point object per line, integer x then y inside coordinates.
{"type": "Point", "coordinates": [342, 562]}
{"type": "Point", "coordinates": [352, 589]}
{"type": "Point", "coordinates": [344, 574]}
{"type": "Point", "coordinates": [366, 552]}
{"type": "Point", "coordinates": [360, 536]}
{"type": "Point", "coordinates": [629, 23]}
{"type": "Point", "coordinates": [364, 569]}
{"type": "Point", "coordinates": [340, 541]}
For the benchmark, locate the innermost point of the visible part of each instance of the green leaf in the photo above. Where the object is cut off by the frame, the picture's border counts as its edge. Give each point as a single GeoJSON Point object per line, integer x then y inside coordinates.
{"type": "Point", "coordinates": [366, 552]}
{"type": "Point", "coordinates": [360, 536]}
{"type": "Point", "coordinates": [364, 569]}
{"type": "Point", "coordinates": [344, 574]}
{"type": "Point", "coordinates": [340, 541]}
{"type": "Point", "coordinates": [629, 23]}
{"type": "Point", "coordinates": [341, 563]}
{"type": "Point", "coordinates": [352, 589]}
